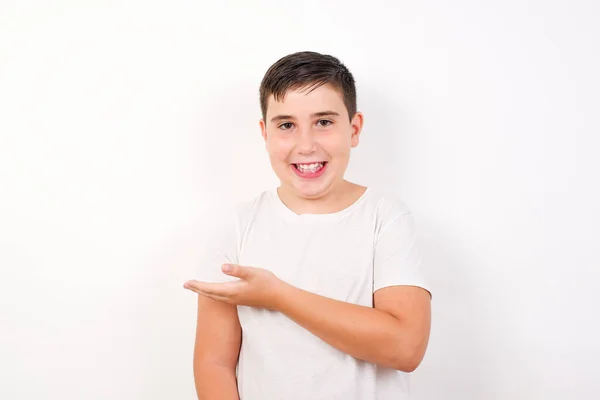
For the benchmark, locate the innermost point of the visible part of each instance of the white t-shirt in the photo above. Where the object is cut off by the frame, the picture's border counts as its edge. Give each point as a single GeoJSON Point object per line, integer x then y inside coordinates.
{"type": "Point", "coordinates": [347, 256]}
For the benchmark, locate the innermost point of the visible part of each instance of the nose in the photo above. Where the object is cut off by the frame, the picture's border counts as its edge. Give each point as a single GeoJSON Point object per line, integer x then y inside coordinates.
{"type": "Point", "coordinates": [306, 141]}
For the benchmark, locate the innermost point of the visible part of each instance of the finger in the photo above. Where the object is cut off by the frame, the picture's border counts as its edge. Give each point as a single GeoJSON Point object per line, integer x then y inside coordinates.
{"type": "Point", "coordinates": [237, 271]}
{"type": "Point", "coordinates": [192, 288]}
{"type": "Point", "coordinates": [225, 289]}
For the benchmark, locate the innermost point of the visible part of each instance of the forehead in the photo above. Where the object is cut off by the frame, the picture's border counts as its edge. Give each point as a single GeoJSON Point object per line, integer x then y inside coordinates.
{"type": "Point", "coordinates": [305, 101]}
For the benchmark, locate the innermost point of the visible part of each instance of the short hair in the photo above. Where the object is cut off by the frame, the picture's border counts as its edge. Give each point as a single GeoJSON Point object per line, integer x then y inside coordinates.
{"type": "Point", "coordinates": [307, 69]}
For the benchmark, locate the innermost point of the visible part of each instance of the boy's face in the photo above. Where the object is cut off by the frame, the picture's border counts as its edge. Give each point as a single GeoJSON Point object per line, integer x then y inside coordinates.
{"type": "Point", "coordinates": [308, 137]}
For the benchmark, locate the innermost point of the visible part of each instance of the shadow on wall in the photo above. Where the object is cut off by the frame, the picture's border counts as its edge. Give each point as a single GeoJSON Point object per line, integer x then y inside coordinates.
{"type": "Point", "coordinates": [375, 161]}
{"type": "Point", "coordinates": [165, 316]}
{"type": "Point", "coordinates": [457, 358]}
{"type": "Point", "coordinates": [230, 154]}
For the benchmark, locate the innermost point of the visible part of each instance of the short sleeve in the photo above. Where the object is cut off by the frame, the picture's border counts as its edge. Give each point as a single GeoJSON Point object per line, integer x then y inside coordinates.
{"type": "Point", "coordinates": [398, 255]}
{"type": "Point", "coordinates": [219, 245]}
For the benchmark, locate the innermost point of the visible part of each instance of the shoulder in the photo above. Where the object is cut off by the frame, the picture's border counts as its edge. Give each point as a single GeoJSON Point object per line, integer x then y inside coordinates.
{"type": "Point", "coordinates": [240, 214]}
{"type": "Point", "coordinates": [247, 209]}
{"type": "Point", "coordinates": [227, 213]}
{"type": "Point", "coordinates": [389, 212]}
{"type": "Point", "coordinates": [387, 205]}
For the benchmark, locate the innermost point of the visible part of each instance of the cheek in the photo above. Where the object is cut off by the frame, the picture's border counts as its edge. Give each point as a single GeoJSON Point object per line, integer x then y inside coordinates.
{"type": "Point", "coordinates": [338, 145]}
{"type": "Point", "coordinates": [279, 150]}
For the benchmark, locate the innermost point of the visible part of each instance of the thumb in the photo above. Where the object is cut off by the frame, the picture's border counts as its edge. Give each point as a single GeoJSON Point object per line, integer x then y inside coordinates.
{"type": "Point", "coordinates": [236, 270]}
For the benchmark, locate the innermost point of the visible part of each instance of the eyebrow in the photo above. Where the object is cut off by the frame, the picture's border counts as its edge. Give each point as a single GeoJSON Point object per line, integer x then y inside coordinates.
{"type": "Point", "coordinates": [314, 115]}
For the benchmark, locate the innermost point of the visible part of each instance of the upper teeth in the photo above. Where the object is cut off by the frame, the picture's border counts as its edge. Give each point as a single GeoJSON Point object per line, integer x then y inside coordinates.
{"type": "Point", "coordinates": [310, 167]}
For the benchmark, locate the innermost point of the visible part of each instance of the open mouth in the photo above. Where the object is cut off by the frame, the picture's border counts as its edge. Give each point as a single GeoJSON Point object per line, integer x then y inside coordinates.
{"type": "Point", "coordinates": [310, 168]}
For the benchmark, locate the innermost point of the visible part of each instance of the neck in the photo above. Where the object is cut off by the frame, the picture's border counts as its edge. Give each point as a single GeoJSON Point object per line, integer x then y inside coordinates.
{"type": "Point", "coordinates": [344, 195]}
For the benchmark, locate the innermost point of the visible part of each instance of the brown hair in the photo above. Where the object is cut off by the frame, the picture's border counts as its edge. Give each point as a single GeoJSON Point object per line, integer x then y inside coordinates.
{"type": "Point", "coordinates": [311, 70]}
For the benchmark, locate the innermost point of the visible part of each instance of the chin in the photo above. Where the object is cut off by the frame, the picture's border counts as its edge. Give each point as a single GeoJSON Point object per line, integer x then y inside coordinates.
{"type": "Point", "coordinates": [312, 190]}
{"type": "Point", "coordinates": [309, 189]}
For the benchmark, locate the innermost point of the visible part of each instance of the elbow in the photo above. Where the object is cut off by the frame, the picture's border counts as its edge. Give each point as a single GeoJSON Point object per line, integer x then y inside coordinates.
{"type": "Point", "coordinates": [407, 366]}
{"type": "Point", "coordinates": [408, 360]}
{"type": "Point", "coordinates": [410, 351]}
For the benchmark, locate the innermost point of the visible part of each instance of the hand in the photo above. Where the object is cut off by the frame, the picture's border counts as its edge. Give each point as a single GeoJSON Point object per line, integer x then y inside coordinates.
{"type": "Point", "coordinates": [256, 287]}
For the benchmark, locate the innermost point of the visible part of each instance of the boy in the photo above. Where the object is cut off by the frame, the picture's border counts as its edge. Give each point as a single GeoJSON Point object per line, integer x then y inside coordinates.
{"type": "Point", "coordinates": [312, 290]}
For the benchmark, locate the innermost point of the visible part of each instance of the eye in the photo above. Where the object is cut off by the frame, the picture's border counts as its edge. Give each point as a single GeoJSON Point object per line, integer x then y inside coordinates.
{"type": "Point", "coordinates": [324, 122]}
{"type": "Point", "coordinates": [285, 126]}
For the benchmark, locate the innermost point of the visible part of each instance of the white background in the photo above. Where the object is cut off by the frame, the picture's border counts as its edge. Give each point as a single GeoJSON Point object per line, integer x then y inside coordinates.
{"type": "Point", "coordinates": [121, 122]}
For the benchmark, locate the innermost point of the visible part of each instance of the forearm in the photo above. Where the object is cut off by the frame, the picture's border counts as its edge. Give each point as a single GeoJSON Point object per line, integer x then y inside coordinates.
{"type": "Point", "coordinates": [215, 382]}
{"type": "Point", "coordinates": [363, 332]}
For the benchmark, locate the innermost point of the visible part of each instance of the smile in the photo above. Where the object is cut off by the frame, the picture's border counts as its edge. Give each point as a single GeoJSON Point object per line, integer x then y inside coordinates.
{"type": "Point", "coordinates": [310, 170]}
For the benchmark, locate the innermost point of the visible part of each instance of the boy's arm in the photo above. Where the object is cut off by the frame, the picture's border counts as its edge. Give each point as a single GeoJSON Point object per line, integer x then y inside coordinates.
{"type": "Point", "coordinates": [216, 350]}
{"type": "Point", "coordinates": [393, 334]}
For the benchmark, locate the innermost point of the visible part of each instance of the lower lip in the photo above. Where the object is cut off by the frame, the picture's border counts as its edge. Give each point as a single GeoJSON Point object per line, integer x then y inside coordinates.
{"type": "Point", "coordinates": [310, 175]}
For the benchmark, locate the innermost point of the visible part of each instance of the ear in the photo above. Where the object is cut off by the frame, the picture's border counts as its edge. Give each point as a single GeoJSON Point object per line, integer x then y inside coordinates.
{"type": "Point", "coordinates": [356, 127]}
{"type": "Point", "coordinates": [263, 129]}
